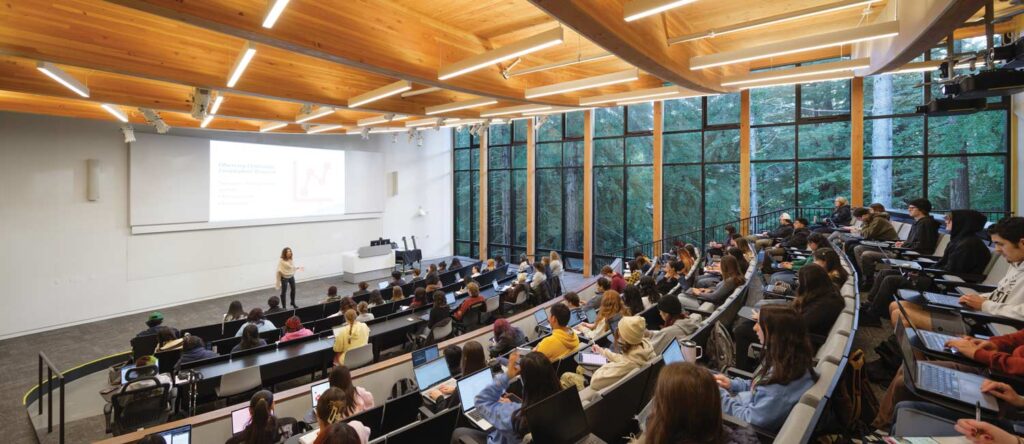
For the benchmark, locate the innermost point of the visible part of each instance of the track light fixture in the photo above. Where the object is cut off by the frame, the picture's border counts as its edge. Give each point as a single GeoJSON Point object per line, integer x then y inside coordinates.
{"type": "Point", "coordinates": [57, 74]}
{"type": "Point", "coordinates": [244, 57]}
{"type": "Point", "coordinates": [153, 118]}
{"type": "Point", "coordinates": [115, 111]}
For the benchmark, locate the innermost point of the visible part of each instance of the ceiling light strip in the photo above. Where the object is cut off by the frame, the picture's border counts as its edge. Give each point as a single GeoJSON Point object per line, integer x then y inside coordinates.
{"type": "Point", "coordinates": [57, 74]}
{"type": "Point", "coordinates": [270, 126]}
{"type": "Point", "coordinates": [380, 119]}
{"type": "Point", "coordinates": [115, 111]}
{"type": "Point", "coordinates": [422, 122]}
{"type": "Point", "coordinates": [813, 79]}
{"type": "Point", "coordinates": [388, 90]}
{"type": "Point", "coordinates": [274, 13]}
{"type": "Point", "coordinates": [314, 129]}
{"type": "Point", "coordinates": [248, 52]}
{"type": "Point", "coordinates": [630, 95]}
{"type": "Point", "coordinates": [420, 91]}
{"type": "Point", "coordinates": [802, 71]}
{"type": "Point", "coordinates": [315, 113]}
{"type": "Point", "coordinates": [216, 104]}
{"type": "Point", "coordinates": [802, 44]}
{"type": "Point", "coordinates": [514, 110]}
{"type": "Point", "coordinates": [681, 95]}
{"type": "Point", "coordinates": [628, 75]}
{"type": "Point", "coordinates": [207, 120]}
{"type": "Point", "coordinates": [558, 110]}
{"type": "Point", "coordinates": [528, 45]}
{"type": "Point", "coordinates": [772, 20]}
{"type": "Point", "coordinates": [569, 62]}
{"type": "Point", "coordinates": [456, 106]}
{"type": "Point", "coordinates": [638, 9]}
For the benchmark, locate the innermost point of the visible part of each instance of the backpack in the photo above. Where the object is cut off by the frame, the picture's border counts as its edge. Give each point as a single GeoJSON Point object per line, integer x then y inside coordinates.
{"type": "Point", "coordinates": [402, 387]}
{"type": "Point", "coordinates": [721, 350]}
{"type": "Point", "coordinates": [853, 404]}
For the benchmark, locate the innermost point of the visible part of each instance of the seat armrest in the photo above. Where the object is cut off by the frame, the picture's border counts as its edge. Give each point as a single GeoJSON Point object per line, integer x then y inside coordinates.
{"type": "Point", "coordinates": [967, 277]}
{"type": "Point", "coordinates": [733, 371]}
{"type": "Point", "coordinates": [763, 435]}
{"type": "Point", "coordinates": [973, 286]}
{"type": "Point", "coordinates": [987, 318]}
{"type": "Point", "coordinates": [772, 295]}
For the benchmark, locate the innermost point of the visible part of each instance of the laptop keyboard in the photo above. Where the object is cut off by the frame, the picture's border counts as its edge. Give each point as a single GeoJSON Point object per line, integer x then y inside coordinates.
{"type": "Point", "coordinates": [940, 380]}
{"type": "Point", "coordinates": [951, 301]}
{"type": "Point", "coordinates": [475, 415]}
{"type": "Point", "coordinates": [934, 341]}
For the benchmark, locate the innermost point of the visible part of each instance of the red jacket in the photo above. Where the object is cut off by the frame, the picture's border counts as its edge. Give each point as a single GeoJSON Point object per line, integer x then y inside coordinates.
{"type": "Point", "coordinates": [618, 283]}
{"type": "Point", "coordinates": [465, 306]}
{"type": "Point", "coordinates": [1009, 358]}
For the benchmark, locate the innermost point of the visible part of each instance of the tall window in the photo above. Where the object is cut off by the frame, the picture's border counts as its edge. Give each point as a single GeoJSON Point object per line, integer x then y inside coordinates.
{"type": "Point", "coordinates": [506, 190]}
{"type": "Point", "coordinates": [466, 186]}
{"type": "Point", "coordinates": [623, 177]}
{"type": "Point", "coordinates": [559, 187]}
{"type": "Point", "coordinates": [700, 185]}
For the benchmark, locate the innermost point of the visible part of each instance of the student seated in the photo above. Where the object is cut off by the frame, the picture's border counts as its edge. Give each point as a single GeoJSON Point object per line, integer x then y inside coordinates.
{"type": "Point", "coordinates": [786, 372]}
{"type": "Point", "coordinates": [524, 263]}
{"type": "Point", "coordinates": [676, 324]}
{"type": "Point", "coordinates": [274, 305]}
{"type": "Point", "coordinates": [788, 273]}
{"type": "Point", "coordinates": [473, 358]}
{"type": "Point", "coordinates": [454, 265]}
{"type": "Point", "coordinates": [363, 312]}
{"type": "Point", "coordinates": [166, 339]}
{"type": "Point", "coordinates": [506, 338]}
{"type": "Point", "coordinates": [263, 426]}
{"type": "Point", "coordinates": [717, 248]}
{"type": "Point", "coordinates": [572, 300]}
{"type": "Point", "coordinates": [440, 311]}
{"type": "Point", "coordinates": [154, 322]}
{"type": "Point", "coordinates": [419, 298]}
{"type": "Point", "coordinates": [649, 290]}
{"type": "Point", "coordinates": [141, 382]}
{"type": "Point", "coordinates": [443, 267]}
{"type": "Point", "coordinates": [874, 226]}
{"type": "Point", "coordinates": [732, 278]}
{"type": "Point", "coordinates": [332, 295]}
{"type": "Point", "coordinates": [608, 316]}
{"type": "Point", "coordinates": [765, 239]}
{"type": "Point", "coordinates": [353, 334]}
{"type": "Point", "coordinates": [539, 276]}
{"type": "Point", "coordinates": [965, 253]}
{"type": "Point", "coordinates": [257, 318]}
{"type": "Point", "coordinates": [923, 237]}
{"type": "Point", "coordinates": [250, 338]}
{"type": "Point", "coordinates": [474, 298]}
{"type": "Point", "coordinates": [796, 239]}
{"type": "Point", "coordinates": [416, 275]}
{"type": "Point", "coordinates": [508, 417]}
{"type": "Point", "coordinates": [347, 303]}
{"type": "Point", "coordinates": [634, 352]}
{"type": "Point", "coordinates": [453, 358]}
{"type": "Point", "coordinates": [396, 279]}
{"type": "Point", "coordinates": [635, 274]}
{"type": "Point", "coordinates": [562, 339]}
{"type": "Point", "coordinates": [376, 298]}
{"type": "Point", "coordinates": [616, 281]}
{"type": "Point", "coordinates": [433, 282]}
{"type": "Point", "coordinates": [194, 349]}
{"type": "Point", "coordinates": [633, 301]}
{"type": "Point", "coordinates": [396, 294]}
{"type": "Point", "coordinates": [363, 289]}
{"type": "Point", "coordinates": [354, 399]}
{"type": "Point", "coordinates": [601, 286]}
{"type": "Point", "coordinates": [1006, 300]}
{"type": "Point", "coordinates": [235, 312]}
{"type": "Point", "coordinates": [330, 414]}
{"type": "Point", "coordinates": [681, 410]}
{"type": "Point", "coordinates": [293, 329]}
{"type": "Point", "coordinates": [671, 278]}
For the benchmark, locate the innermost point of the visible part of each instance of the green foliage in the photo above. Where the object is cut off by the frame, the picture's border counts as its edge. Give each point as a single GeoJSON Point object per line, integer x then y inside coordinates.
{"type": "Point", "coordinates": [641, 117]}
{"type": "Point", "coordinates": [724, 109]}
{"type": "Point", "coordinates": [682, 114]}
{"type": "Point", "coordinates": [609, 121]}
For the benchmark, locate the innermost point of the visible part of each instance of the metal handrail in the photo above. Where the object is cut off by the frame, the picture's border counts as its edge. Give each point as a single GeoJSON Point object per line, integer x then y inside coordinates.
{"type": "Point", "coordinates": [50, 370]}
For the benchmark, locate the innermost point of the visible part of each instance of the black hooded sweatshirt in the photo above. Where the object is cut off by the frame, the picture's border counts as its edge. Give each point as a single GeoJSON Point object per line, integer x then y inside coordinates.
{"type": "Point", "coordinates": [966, 253]}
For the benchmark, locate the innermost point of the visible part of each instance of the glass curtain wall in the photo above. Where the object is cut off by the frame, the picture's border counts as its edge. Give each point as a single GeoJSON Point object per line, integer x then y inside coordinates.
{"type": "Point", "coordinates": [559, 187]}
{"type": "Point", "coordinates": [506, 190]}
{"type": "Point", "coordinates": [466, 186]}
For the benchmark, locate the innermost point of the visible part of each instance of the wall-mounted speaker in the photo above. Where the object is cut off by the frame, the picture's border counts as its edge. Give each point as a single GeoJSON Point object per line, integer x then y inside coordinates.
{"type": "Point", "coordinates": [393, 184]}
{"type": "Point", "coordinates": [92, 181]}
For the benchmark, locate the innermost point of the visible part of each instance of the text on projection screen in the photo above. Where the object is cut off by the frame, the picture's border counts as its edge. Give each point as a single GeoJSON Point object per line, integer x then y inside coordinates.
{"type": "Point", "coordinates": [253, 181]}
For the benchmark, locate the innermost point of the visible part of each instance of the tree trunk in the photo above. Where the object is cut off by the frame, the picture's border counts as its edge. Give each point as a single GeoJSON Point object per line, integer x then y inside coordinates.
{"type": "Point", "coordinates": [754, 204]}
{"type": "Point", "coordinates": [960, 186]}
{"type": "Point", "coordinates": [881, 141]}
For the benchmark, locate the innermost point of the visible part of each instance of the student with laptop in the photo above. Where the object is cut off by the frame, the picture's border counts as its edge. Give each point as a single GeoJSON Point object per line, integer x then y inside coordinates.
{"type": "Point", "coordinates": [259, 423]}
{"type": "Point", "coordinates": [562, 339]}
{"type": "Point", "coordinates": [474, 298]}
{"type": "Point", "coordinates": [330, 411]}
{"type": "Point", "coordinates": [354, 399]}
{"type": "Point", "coordinates": [504, 420]}
{"type": "Point", "coordinates": [608, 316]}
{"type": "Point", "coordinates": [634, 352]}
{"type": "Point", "coordinates": [506, 338]}
{"type": "Point", "coordinates": [681, 410]}
{"type": "Point", "coordinates": [787, 274]}
{"type": "Point", "coordinates": [675, 323]}
{"type": "Point", "coordinates": [786, 372]}
{"type": "Point", "coordinates": [440, 311]}
{"type": "Point", "coordinates": [965, 253]}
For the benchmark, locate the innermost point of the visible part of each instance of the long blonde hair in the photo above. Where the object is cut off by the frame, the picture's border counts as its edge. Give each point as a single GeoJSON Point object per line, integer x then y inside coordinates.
{"type": "Point", "coordinates": [350, 317]}
{"type": "Point", "coordinates": [611, 304]}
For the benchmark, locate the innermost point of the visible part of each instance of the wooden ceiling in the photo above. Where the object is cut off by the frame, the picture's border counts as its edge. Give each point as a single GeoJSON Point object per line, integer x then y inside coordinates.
{"type": "Point", "coordinates": [152, 53]}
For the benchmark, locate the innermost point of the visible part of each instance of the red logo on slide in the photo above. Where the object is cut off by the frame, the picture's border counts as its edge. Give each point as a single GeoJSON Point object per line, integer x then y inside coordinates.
{"type": "Point", "coordinates": [312, 181]}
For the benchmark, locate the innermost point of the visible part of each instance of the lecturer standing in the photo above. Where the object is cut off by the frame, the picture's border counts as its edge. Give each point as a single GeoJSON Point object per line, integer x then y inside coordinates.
{"type": "Point", "coordinates": [286, 274]}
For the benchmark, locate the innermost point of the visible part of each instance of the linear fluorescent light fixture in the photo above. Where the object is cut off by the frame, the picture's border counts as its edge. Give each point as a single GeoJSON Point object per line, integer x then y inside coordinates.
{"type": "Point", "coordinates": [930, 65]}
{"type": "Point", "coordinates": [55, 73]}
{"type": "Point", "coordinates": [802, 71]}
{"type": "Point", "coordinates": [628, 75]}
{"type": "Point", "coordinates": [455, 106]}
{"type": "Point", "coordinates": [638, 9]}
{"type": "Point", "coordinates": [398, 87]}
{"type": "Point", "coordinates": [421, 91]}
{"type": "Point", "coordinates": [679, 95]}
{"type": "Point", "coordinates": [556, 110]}
{"type": "Point", "coordinates": [772, 20]}
{"type": "Point", "coordinates": [270, 126]}
{"type": "Point", "coordinates": [630, 95]}
{"type": "Point", "coordinates": [522, 47]}
{"type": "Point", "coordinates": [514, 110]}
{"type": "Point", "coordinates": [387, 129]}
{"type": "Point", "coordinates": [384, 118]}
{"type": "Point", "coordinates": [321, 128]}
{"type": "Point", "coordinates": [559, 64]}
{"type": "Point", "coordinates": [802, 44]}
{"type": "Point", "coordinates": [812, 79]}
{"type": "Point", "coordinates": [207, 120]}
{"type": "Point", "coordinates": [422, 122]}
{"type": "Point", "coordinates": [248, 52]}
{"type": "Point", "coordinates": [216, 104]}
{"type": "Point", "coordinates": [314, 113]}
{"type": "Point", "coordinates": [274, 12]}
{"type": "Point", "coordinates": [115, 111]}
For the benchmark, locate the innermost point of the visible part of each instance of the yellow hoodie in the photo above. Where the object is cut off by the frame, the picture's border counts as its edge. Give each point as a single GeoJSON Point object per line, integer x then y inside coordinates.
{"type": "Point", "coordinates": [560, 343]}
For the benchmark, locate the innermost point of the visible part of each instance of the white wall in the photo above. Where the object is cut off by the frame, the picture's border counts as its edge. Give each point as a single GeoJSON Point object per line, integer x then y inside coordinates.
{"type": "Point", "coordinates": [68, 260]}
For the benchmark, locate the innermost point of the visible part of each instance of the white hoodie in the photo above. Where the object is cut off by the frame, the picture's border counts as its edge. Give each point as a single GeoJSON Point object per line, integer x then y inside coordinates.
{"type": "Point", "coordinates": [1008, 298]}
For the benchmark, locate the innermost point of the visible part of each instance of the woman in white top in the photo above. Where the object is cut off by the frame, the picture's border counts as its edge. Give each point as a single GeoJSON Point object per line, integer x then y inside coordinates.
{"type": "Point", "coordinates": [556, 273]}
{"type": "Point", "coordinates": [286, 274]}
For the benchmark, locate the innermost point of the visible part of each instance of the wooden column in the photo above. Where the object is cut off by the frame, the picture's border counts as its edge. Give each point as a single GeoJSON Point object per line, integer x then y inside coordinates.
{"type": "Point", "coordinates": [857, 142]}
{"type": "Point", "coordinates": [657, 159]}
{"type": "Point", "coordinates": [744, 160]}
{"type": "Point", "coordinates": [531, 187]}
{"type": "Point", "coordinates": [482, 198]}
{"type": "Point", "coordinates": [588, 192]}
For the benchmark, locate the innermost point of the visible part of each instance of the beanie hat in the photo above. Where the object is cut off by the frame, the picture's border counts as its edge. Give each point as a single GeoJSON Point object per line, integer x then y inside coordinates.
{"type": "Point", "coordinates": [156, 316]}
{"type": "Point", "coordinates": [671, 305]}
{"type": "Point", "coordinates": [922, 204]}
{"type": "Point", "coordinates": [786, 216]}
{"type": "Point", "coordinates": [632, 329]}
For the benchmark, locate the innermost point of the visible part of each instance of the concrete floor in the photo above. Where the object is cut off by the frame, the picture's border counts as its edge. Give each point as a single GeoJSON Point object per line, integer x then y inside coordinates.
{"type": "Point", "coordinates": [72, 346]}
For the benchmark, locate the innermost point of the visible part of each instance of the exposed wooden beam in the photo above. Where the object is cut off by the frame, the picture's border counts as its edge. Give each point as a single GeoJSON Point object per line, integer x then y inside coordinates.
{"type": "Point", "coordinates": [922, 24]}
{"type": "Point", "coordinates": [857, 142]}
{"type": "Point", "coordinates": [588, 192]}
{"type": "Point", "coordinates": [744, 158]}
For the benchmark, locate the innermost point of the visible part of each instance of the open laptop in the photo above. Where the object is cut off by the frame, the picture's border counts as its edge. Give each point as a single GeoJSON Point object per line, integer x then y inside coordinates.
{"type": "Point", "coordinates": [431, 375]}
{"type": "Point", "coordinates": [541, 316]}
{"type": "Point", "coordinates": [450, 300]}
{"type": "Point", "coordinates": [239, 419]}
{"type": "Point", "coordinates": [559, 419]}
{"type": "Point", "coordinates": [180, 435]}
{"type": "Point", "coordinates": [954, 384]}
{"type": "Point", "coordinates": [124, 373]}
{"type": "Point", "coordinates": [673, 353]}
{"type": "Point", "coordinates": [424, 355]}
{"type": "Point", "coordinates": [317, 390]}
{"type": "Point", "coordinates": [383, 285]}
{"type": "Point", "coordinates": [932, 340]}
{"type": "Point", "coordinates": [943, 300]}
{"type": "Point", "coordinates": [900, 263]}
{"type": "Point", "coordinates": [469, 387]}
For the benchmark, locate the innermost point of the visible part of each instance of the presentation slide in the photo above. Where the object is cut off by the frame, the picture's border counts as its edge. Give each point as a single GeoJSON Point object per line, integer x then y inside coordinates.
{"type": "Point", "coordinates": [253, 181]}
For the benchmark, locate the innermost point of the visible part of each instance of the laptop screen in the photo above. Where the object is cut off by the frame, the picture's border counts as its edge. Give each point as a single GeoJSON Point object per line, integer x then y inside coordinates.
{"type": "Point", "coordinates": [239, 419]}
{"type": "Point", "coordinates": [449, 298]}
{"type": "Point", "coordinates": [473, 384]}
{"type": "Point", "coordinates": [431, 373]}
{"type": "Point", "coordinates": [903, 340]}
{"type": "Point", "coordinates": [574, 318]}
{"type": "Point", "coordinates": [383, 285]}
{"type": "Point", "coordinates": [673, 353]}
{"type": "Point", "coordinates": [558, 418]}
{"type": "Point", "coordinates": [541, 317]}
{"type": "Point", "coordinates": [421, 356]}
{"type": "Point", "coordinates": [180, 435]}
{"type": "Point", "coordinates": [317, 390]}
{"type": "Point", "coordinates": [591, 315]}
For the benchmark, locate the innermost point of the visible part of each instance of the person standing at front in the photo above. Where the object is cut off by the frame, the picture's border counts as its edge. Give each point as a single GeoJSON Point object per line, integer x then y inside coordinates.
{"type": "Point", "coordinates": [286, 275]}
